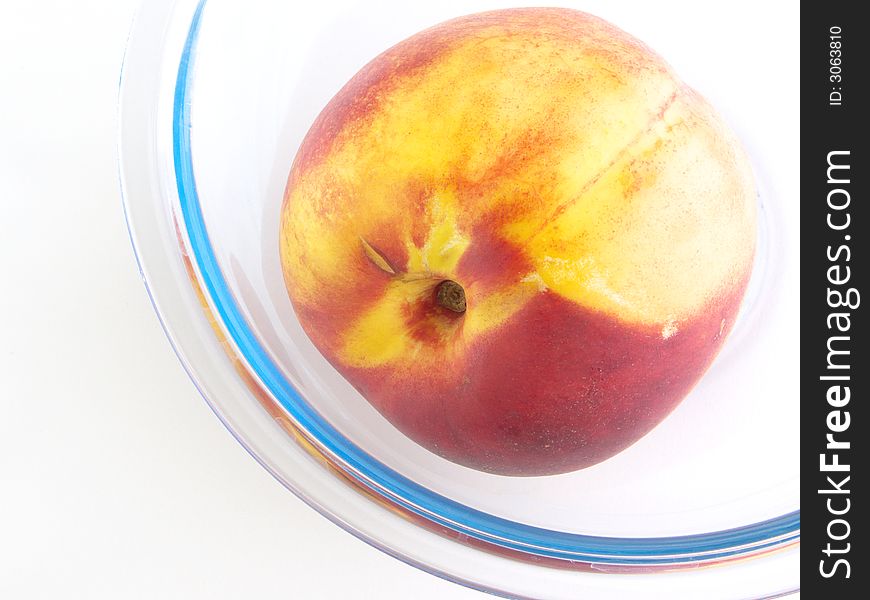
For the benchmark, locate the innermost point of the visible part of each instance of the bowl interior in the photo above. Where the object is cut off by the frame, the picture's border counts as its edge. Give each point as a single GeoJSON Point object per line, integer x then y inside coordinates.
{"type": "Point", "coordinates": [723, 459]}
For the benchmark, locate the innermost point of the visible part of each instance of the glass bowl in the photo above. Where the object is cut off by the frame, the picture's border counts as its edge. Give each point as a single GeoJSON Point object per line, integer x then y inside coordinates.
{"type": "Point", "coordinates": [215, 98]}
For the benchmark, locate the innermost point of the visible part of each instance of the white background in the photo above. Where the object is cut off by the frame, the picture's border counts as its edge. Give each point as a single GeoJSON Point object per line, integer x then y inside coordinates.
{"type": "Point", "coordinates": [116, 481]}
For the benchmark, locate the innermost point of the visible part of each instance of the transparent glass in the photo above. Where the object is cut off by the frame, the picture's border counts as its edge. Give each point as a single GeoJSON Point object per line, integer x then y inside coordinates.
{"type": "Point", "coordinates": [215, 99]}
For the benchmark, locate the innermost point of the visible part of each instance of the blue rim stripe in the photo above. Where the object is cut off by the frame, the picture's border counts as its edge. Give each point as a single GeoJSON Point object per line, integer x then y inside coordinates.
{"type": "Point", "coordinates": [397, 488]}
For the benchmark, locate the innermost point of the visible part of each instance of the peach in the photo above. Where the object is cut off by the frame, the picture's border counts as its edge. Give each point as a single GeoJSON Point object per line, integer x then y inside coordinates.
{"type": "Point", "coordinates": [520, 237]}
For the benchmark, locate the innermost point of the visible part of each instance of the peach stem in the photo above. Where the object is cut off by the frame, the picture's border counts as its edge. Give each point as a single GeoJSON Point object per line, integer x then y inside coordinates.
{"type": "Point", "coordinates": [451, 296]}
